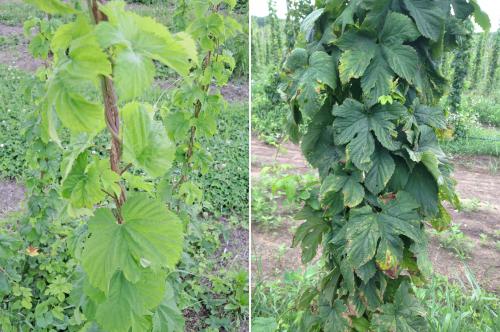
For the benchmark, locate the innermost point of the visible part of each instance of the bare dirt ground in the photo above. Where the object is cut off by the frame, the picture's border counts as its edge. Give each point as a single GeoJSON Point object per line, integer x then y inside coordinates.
{"type": "Point", "coordinates": [11, 196]}
{"type": "Point", "coordinates": [476, 182]}
{"type": "Point", "coordinates": [17, 55]}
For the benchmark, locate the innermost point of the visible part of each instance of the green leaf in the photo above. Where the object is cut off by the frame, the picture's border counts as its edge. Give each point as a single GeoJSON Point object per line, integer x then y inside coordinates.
{"type": "Point", "coordinates": [127, 303]}
{"type": "Point", "coordinates": [334, 317]}
{"type": "Point", "coordinates": [423, 187]}
{"type": "Point", "coordinates": [353, 192]}
{"type": "Point", "coordinates": [354, 124]}
{"type": "Point", "coordinates": [366, 228]}
{"type": "Point", "coordinates": [398, 28]}
{"type": "Point", "coordinates": [310, 233]}
{"type": "Point", "coordinates": [402, 59]}
{"type": "Point", "coordinates": [367, 271]}
{"type": "Point", "coordinates": [168, 317]}
{"type": "Point", "coordinates": [480, 17]}
{"type": "Point", "coordinates": [431, 116]}
{"type": "Point", "coordinates": [145, 36]}
{"type": "Point", "coordinates": [55, 7]}
{"type": "Point", "coordinates": [405, 314]}
{"type": "Point", "coordinates": [428, 17]}
{"type": "Point", "coordinates": [377, 78]}
{"type": "Point", "coordinates": [307, 24]}
{"type": "Point", "coordinates": [81, 186]}
{"type": "Point", "coordinates": [149, 232]}
{"type": "Point", "coordinates": [133, 73]}
{"type": "Point", "coordinates": [381, 172]}
{"type": "Point", "coordinates": [358, 51]}
{"type": "Point", "coordinates": [309, 80]}
{"type": "Point", "coordinates": [75, 112]}
{"type": "Point", "coordinates": [145, 141]}
{"type": "Point", "coordinates": [317, 144]}
{"type": "Point", "coordinates": [377, 11]}
{"type": "Point", "coordinates": [362, 236]}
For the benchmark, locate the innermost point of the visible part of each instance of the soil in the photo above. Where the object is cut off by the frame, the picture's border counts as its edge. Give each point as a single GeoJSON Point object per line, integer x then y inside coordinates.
{"type": "Point", "coordinates": [11, 196]}
{"type": "Point", "coordinates": [17, 56]}
{"type": "Point", "coordinates": [477, 181]}
{"type": "Point", "coordinates": [234, 91]}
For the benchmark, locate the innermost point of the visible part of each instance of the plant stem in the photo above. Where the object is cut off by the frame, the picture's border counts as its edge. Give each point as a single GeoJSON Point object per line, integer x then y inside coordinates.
{"type": "Point", "coordinates": [197, 110]}
{"type": "Point", "coordinates": [111, 114]}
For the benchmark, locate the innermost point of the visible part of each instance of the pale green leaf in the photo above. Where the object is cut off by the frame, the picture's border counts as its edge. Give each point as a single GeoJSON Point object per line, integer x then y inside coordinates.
{"type": "Point", "coordinates": [145, 36]}
{"type": "Point", "coordinates": [81, 186]}
{"type": "Point", "coordinates": [480, 17]}
{"type": "Point", "coordinates": [133, 74]}
{"type": "Point", "coordinates": [127, 303]}
{"type": "Point", "coordinates": [52, 6]}
{"type": "Point", "coordinates": [149, 232]}
{"type": "Point", "coordinates": [145, 141]}
{"type": "Point", "coordinates": [190, 192]}
{"type": "Point", "coordinates": [168, 317]}
{"type": "Point", "coordinates": [75, 112]}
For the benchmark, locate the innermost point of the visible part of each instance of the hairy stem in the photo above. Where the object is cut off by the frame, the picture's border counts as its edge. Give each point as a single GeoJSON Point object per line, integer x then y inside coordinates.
{"type": "Point", "coordinates": [192, 136]}
{"type": "Point", "coordinates": [111, 114]}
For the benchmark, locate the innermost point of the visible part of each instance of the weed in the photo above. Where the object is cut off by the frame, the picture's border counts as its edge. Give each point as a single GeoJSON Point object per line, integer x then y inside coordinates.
{"type": "Point", "coordinates": [471, 205]}
{"type": "Point", "coordinates": [277, 190]}
{"type": "Point", "coordinates": [483, 239]}
{"type": "Point", "coordinates": [454, 239]}
{"type": "Point", "coordinates": [493, 165]}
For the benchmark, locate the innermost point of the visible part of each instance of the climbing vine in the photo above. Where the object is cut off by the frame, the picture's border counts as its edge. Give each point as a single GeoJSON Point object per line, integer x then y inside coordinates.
{"type": "Point", "coordinates": [103, 61]}
{"type": "Point", "coordinates": [461, 67]}
{"type": "Point", "coordinates": [364, 88]}
{"type": "Point", "coordinates": [275, 42]}
{"type": "Point", "coordinates": [476, 67]}
{"type": "Point", "coordinates": [493, 62]}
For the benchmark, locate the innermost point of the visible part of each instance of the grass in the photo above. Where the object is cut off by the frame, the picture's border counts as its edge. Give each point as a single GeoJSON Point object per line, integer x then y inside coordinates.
{"type": "Point", "coordinates": [480, 141]}
{"type": "Point", "coordinates": [455, 240]}
{"type": "Point", "coordinates": [15, 107]}
{"type": "Point", "coordinates": [7, 42]}
{"type": "Point", "coordinates": [14, 13]}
